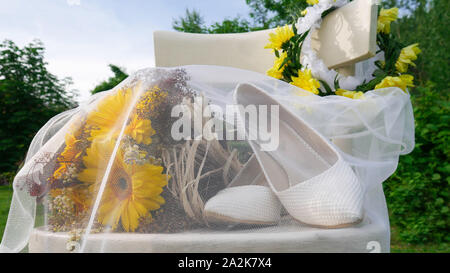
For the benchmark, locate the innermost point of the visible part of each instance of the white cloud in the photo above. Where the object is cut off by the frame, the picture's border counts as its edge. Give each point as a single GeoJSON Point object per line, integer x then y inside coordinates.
{"type": "Point", "coordinates": [74, 2]}
{"type": "Point", "coordinates": [81, 42]}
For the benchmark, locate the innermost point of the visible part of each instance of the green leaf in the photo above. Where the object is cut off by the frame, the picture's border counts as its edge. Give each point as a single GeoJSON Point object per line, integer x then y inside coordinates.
{"type": "Point", "coordinates": [436, 176]}
{"type": "Point", "coordinates": [277, 53]}
{"type": "Point", "coordinates": [326, 86]}
{"type": "Point", "coordinates": [336, 82]}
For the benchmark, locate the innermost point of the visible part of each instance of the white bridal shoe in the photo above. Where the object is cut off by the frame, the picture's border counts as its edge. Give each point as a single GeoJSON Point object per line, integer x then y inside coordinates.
{"type": "Point", "coordinates": [305, 172]}
{"type": "Point", "coordinates": [247, 200]}
{"type": "Point", "coordinates": [252, 204]}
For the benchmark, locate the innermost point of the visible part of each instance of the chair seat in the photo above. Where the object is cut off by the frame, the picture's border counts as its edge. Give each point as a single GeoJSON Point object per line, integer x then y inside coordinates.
{"type": "Point", "coordinates": [289, 236]}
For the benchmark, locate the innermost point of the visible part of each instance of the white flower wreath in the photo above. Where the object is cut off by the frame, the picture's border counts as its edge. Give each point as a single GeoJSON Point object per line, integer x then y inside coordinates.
{"type": "Point", "coordinates": [312, 21]}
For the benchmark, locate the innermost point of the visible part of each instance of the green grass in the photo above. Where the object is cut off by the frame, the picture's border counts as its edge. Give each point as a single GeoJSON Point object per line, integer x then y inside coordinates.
{"type": "Point", "coordinates": [5, 201]}
{"type": "Point", "coordinates": [400, 247]}
{"type": "Point", "coordinates": [397, 246]}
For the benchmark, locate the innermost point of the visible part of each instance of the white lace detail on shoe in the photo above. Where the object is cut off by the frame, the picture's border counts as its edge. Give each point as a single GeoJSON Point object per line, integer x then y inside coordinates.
{"type": "Point", "coordinates": [329, 199]}
{"type": "Point", "coordinates": [246, 204]}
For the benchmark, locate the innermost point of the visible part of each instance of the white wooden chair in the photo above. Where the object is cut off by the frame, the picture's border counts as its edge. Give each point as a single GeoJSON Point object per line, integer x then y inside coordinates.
{"type": "Point", "coordinates": [347, 36]}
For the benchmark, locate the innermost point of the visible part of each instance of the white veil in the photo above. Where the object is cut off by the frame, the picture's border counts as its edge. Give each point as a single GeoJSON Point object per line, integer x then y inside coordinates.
{"type": "Point", "coordinates": [370, 133]}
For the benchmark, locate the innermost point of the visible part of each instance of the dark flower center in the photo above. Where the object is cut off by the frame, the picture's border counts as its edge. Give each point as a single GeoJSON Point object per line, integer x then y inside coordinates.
{"type": "Point", "coordinates": [123, 185]}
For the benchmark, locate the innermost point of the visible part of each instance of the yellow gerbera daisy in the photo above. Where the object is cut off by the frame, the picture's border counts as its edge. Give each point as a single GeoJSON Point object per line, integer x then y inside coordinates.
{"type": "Point", "coordinates": [407, 56]}
{"type": "Point", "coordinates": [350, 94]}
{"type": "Point", "coordinates": [402, 82]}
{"type": "Point", "coordinates": [385, 18]}
{"type": "Point", "coordinates": [306, 81]}
{"type": "Point", "coordinates": [275, 71]}
{"type": "Point", "coordinates": [140, 130]}
{"type": "Point", "coordinates": [132, 190]}
{"type": "Point", "coordinates": [108, 118]}
{"type": "Point", "coordinates": [72, 151]}
{"type": "Point", "coordinates": [281, 36]}
{"type": "Point", "coordinates": [69, 155]}
{"type": "Point", "coordinates": [110, 114]}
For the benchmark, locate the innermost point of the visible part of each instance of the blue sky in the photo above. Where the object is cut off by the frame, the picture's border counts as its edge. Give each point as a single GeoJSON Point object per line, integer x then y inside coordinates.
{"type": "Point", "coordinates": [82, 37]}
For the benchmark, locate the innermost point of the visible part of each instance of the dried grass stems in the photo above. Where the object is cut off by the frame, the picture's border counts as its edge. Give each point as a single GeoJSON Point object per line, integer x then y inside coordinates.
{"type": "Point", "coordinates": [198, 170]}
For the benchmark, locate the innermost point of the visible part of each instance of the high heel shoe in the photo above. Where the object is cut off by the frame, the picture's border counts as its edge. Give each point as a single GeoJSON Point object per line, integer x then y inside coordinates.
{"type": "Point", "coordinates": [251, 204]}
{"type": "Point", "coordinates": [247, 200]}
{"type": "Point", "coordinates": [312, 181]}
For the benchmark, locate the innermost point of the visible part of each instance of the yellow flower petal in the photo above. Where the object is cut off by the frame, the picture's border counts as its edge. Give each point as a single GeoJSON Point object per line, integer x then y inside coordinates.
{"type": "Point", "coordinates": [141, 209]}
{"type": "Point", "coordinates": [125, 218]}
{"type": "Point", "coordinates": [133, 217]}
{"type": "Point", "coordinates": [306, 81]}
{"type": "Point", "coordinates": [140, 130]}
{"type": "Point", "coordinates": [403, 81]}
{"type": "Point", "coordinates": [350, 94]}
{"type": "Point", "coordinates": [132, 190]}
{"type": "Point", "coordinates": [385, 18]}
{"type": "Point", "coordinates": [407, 56]}
{"type": "Point", "coordinates": [279, 37]}
{"type": "Point", "coordinates": [275, 72]}
{"type": "Point", "coordinates": [89, 175]}
{"type": "Point", "coordinates": [110, 114]}
{"type": "Point", "coordinates": [150, 204]}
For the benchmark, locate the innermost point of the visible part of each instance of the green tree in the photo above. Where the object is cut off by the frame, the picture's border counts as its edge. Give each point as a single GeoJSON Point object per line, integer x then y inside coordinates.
{"type": "Point", "coordinates": [427, 23]}
{"type": "Point", "coordinates": [191, 22]}
{"type": "Point", "coordinates": [29, 96]}
{"type": "Point", "coordinates": [235, 25]}
{"type": "Point", "coordinates": [418, 193]}
{"type": "Point", "coordinates": [271, 13]}
{"type": "Point", "coordinates": [264, 14]}
{"type": "Point", "coordinates": [119, 76]}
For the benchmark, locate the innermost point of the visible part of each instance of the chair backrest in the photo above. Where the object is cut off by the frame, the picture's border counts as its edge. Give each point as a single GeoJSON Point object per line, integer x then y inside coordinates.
{"type": "Point", "coordinates": [347, 36]}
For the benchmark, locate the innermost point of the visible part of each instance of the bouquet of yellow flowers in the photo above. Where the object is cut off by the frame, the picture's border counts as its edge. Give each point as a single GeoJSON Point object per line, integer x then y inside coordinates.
{"type": "Point", "coordinates": [114, 166]}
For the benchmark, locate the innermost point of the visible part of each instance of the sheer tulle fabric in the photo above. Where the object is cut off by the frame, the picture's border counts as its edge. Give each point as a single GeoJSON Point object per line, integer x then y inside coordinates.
{"type": "Point", "coordinates": [111, 165]}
